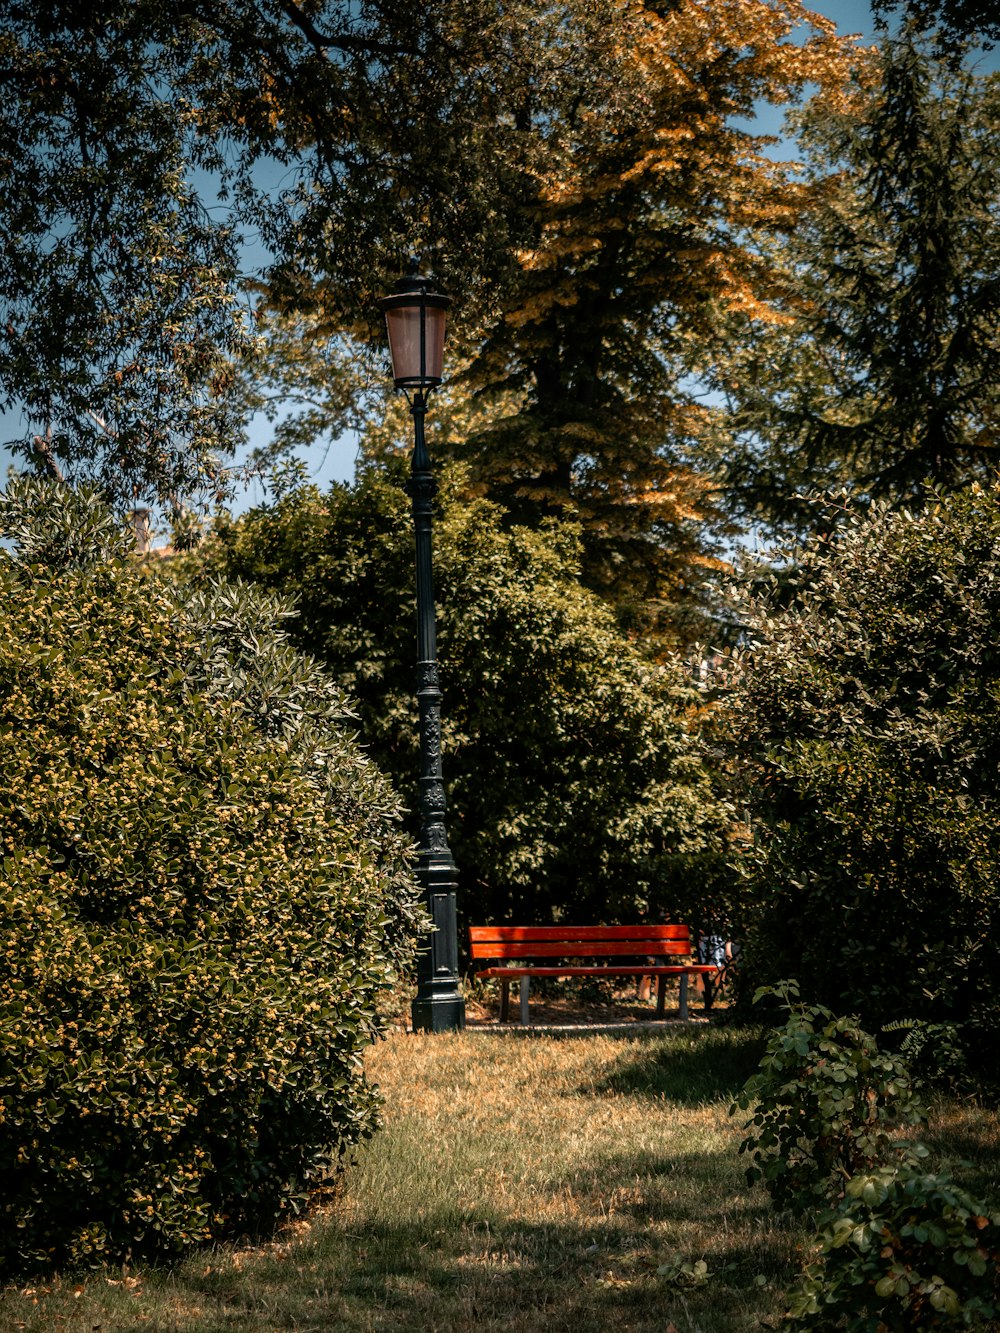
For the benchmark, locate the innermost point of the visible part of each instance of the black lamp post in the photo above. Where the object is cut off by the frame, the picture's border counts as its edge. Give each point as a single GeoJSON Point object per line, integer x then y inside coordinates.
{"type": "Point", "coordinates": [415, 320]}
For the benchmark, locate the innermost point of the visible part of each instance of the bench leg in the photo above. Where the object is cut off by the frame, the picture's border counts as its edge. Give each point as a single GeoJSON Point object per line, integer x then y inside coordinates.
{"type": "Point", "coordinates": [684, 997]}
{"type": "Point", "coordinates": [504, 1000]}
{"type": "Point", "coordinates": [661, 996]}
{"type": "Point", "coordinates": [525, 983]}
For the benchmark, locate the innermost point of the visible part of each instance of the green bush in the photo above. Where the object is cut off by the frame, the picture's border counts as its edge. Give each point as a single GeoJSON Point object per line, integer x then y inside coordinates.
{"type": "Point", "coordinates": [203, 888]}
{"type": "Point", "coordinates": [823, 1103]}
{"type": "Point", "coordinates": [904, 1251]}
{"type": "Point", "coordinates": [577, 785]}
{"type": "Point", "coordinates": [867, 725]}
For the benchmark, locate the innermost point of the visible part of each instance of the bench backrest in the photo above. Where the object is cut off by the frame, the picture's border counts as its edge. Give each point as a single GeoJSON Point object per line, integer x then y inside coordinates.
{"type": "Point", "coordinates": [578, 941]}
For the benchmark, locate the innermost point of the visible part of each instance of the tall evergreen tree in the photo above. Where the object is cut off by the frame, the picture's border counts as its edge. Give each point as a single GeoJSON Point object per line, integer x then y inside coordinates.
{"type": "Point", "coordinates": [882, 375]}
{"type": "Point", "coordinates": [956, 21]}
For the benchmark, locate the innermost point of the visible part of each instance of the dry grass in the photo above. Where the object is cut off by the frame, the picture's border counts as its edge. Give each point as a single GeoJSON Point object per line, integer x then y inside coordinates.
{"type": "Point", "coordinates": [519, 1182]}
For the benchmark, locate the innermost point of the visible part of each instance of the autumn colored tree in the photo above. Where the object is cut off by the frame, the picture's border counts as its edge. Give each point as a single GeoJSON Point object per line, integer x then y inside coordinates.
{"type": "Point", "coordinates": [882, 377]}
{"type": "Point", "coordinates": [574, 171]}
{"type": "Point", "coordinates": [627, 211]}
{"type": "Point", "coordinates": [646, 217]}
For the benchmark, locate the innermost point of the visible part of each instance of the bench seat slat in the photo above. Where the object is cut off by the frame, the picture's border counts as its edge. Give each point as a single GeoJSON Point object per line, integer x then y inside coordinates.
{"type": "Point", "coordinates": [580, 948]}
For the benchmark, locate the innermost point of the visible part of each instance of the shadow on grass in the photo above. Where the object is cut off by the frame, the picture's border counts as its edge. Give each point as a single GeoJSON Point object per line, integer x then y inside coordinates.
{"type": "Point", "coordinates": [967, 1146]}
{"type": "Point", "coordinates": [479, 1273]}
{"type": "Point", "coordinates": [708, 1190]}
{"type": "Point", "coordinates": [628, 1264]}
{"type": "Point", "coordinates": [709, 1066]}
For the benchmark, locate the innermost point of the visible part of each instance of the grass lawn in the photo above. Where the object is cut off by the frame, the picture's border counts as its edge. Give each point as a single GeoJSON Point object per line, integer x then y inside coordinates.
{"type": "Point", "coordinates": [585, 1184]}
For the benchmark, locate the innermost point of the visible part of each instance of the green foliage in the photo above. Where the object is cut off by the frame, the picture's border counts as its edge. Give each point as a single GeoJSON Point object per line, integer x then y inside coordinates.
{"type": "Point", "coordinates": [899, 1248]}
{"type": "Point", "coordinates": [203, 889]}
{"type": "Point", "coordinates": [72, 534]}
{"type": "Point", "coordinates": [867, 725]}
{"type": "Point", "coordinates": [823, 1104]}
{"type": "Point", "coordinates": [881, 381]}
{"type": "Point", "coordinates": [903, 1252]}
{"type": "Point", "coordinates": [576, 785]}
{"type": "Point", "coordinates": [955, 22]}
{"type": "Point", "coordinates": [122, 324]}
{"type": "Point", "coordinates": [140, 144]}
{"type": "Point", "coordinates": [676, 1273]}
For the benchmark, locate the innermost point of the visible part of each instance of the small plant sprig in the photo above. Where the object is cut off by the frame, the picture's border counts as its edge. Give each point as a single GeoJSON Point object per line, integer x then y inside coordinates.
{"type": "Point", "coordinates": [936, 1052]}
{"type": "Point", "coordinates": [823, 1105]}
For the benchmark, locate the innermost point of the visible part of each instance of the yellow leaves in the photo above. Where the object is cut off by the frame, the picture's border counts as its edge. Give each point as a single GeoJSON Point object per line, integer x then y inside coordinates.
{"type": "Point", "coordinates": [741, 300]}
{"type": "Point", "coordinates": [652, 163]}
{"type": "Point", "coordinates": [662, 155]}
{"type": "Point", "coordinates": [556, 248]}
{"type": "Point", "coordinates": [541, 303]}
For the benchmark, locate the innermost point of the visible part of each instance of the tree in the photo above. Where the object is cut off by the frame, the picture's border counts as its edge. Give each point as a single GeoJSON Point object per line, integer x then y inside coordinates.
{"type": "Point", "coordinates": [118, 330]}
{"type": "Point", "coordinates": [881, 378]}
{"type": "Point", "coordinates": [866, 720]}
{"type": "Point", "coordinates": [204, 889]}
{"type": "Point", "coordinates": [955, 21]}
{"type": "Point", "coordinates": [582, 155]}
{"type": "Point", "coordinates": [139, 141]}
{"type": "Point", "coordinates": [576, 785]}
{"type": "Point", "coordinates": [645, 222]}
{"type": "Point", "coordinates": [627, 208]}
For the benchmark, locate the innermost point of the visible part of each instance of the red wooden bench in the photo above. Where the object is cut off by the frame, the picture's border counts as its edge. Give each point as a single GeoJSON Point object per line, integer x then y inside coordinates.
{"type": "Point", "coordinates": [511, 945]}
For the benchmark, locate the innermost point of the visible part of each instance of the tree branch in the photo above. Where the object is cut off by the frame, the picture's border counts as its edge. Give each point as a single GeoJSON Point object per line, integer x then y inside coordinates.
{"type": "Point", "coordinates": [43, 446]}
{"type": "Point", "coordinates": [343, 41]}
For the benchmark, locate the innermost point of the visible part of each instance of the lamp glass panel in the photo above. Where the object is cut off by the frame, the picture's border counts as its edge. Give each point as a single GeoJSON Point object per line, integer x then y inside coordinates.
{"type": "Point", "coordinates": [436, 318]}
{"type": "Point", "coordinates": [403, 325]}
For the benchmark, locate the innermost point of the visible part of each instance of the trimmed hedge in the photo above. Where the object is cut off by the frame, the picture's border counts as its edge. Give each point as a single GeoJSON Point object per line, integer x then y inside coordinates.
{"type": "Point", "coordinates": [203, 889]}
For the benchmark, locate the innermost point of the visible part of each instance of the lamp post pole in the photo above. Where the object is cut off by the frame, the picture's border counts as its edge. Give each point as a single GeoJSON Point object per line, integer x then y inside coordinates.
{"type": "Point", "coordinates": [438, 1006]}
{"type": "Point", "coordinates": [415, 320]}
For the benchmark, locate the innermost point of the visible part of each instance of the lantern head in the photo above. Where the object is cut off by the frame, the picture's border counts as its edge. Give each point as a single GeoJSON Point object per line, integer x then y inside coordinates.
{"type": "Point", "coordinates": [415, 322]}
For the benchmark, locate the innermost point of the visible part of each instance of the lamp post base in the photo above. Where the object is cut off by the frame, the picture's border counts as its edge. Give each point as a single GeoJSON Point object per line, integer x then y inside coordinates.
{"type": "Point", "coordinates": [438, 1013]}
{"type": "Point", "coordinates": [438, 1005]}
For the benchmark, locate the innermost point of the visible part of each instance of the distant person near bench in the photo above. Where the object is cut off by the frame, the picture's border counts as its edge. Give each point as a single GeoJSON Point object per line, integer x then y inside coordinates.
{"type": "Point", "coordinates": [720, 953]}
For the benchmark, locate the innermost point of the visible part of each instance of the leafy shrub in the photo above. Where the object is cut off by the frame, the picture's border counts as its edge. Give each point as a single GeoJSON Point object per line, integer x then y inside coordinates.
{"type": "Point", "coordinates": [867, 720]}
{"type": "Point", "coordinates": [203, 887]}
{"type": "Point", "coordinates": [903, 1251]}
{"type": "Point", "coordinates": [823, 1103]}
{"type": "Point", "coordinates": [577, 786]}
